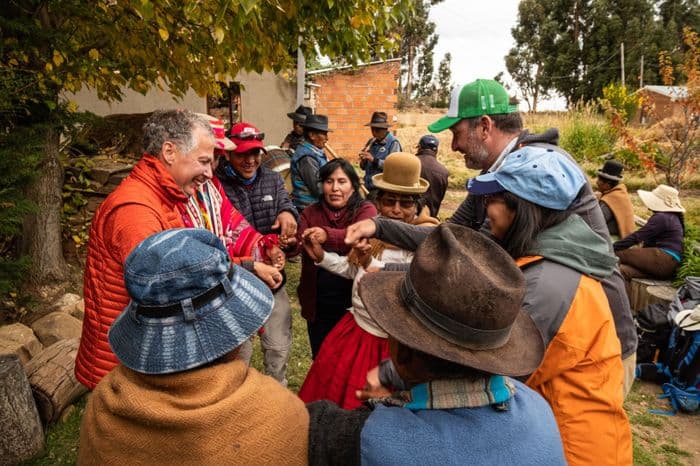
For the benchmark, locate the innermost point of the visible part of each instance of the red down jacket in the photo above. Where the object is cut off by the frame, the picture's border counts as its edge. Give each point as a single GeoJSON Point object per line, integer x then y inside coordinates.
{"type": "Point", "coordinates": [143, 204]}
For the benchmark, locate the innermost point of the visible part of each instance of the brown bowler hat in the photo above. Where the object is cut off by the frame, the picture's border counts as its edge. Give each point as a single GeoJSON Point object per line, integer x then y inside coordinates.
{"type": "Point", "coordinates": [460, 301]}
{"type": "Point", "coordinates": [379, 120]}
{"type": "Point", "coordinates": [401, 175]}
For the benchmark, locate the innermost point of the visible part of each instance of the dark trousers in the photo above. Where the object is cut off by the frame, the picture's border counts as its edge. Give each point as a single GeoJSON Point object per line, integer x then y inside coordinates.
{"type": "Point", "coordinates": [319, 328]}
{"type": "Point", "coordinates": [646, 263]}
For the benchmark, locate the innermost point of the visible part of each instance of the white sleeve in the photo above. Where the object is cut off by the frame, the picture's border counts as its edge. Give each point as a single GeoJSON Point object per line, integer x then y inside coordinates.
{"type": "Point", "coordinates": [338, 265]}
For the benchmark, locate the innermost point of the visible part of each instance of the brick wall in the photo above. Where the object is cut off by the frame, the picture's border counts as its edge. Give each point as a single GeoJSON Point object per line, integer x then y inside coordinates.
{"type": "Point", "coordinates": [349, 97]}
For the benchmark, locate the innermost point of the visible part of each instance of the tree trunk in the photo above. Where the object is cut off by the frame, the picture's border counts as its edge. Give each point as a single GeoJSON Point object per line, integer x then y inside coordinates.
{"type": "Point", "coordinates": [51, 375]}
{"type": "Point", "coordinates": [21, 434]}
{"type": "Point", "coordinates": [42, 229]}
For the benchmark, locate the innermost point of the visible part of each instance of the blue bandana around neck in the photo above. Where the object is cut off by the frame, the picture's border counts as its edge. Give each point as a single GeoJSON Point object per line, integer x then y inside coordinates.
{"type": "Point", "coordinates": [234, 174]}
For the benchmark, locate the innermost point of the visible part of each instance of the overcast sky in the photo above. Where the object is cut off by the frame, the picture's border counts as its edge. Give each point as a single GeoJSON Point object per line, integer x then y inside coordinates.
{"type": "Point", "coordinates": [477, 34]}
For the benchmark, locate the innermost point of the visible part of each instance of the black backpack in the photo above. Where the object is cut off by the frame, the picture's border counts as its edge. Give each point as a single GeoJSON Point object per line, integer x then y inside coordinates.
{"type": "Point", "coordinates": [653, 332]}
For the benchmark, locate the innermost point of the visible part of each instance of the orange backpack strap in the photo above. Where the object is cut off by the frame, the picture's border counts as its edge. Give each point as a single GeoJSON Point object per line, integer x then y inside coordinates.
{"type": "Point", "coordinates": [524, 261]}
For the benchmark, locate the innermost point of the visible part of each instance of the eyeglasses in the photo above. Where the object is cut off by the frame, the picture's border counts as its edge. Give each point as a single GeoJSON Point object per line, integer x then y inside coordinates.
{"type": "Point", "coordinates": [249, 136]}
{"type": "Point", "coordinates": [391, 202]}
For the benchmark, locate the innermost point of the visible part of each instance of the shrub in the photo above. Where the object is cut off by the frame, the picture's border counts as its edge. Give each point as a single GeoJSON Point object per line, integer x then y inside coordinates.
{"type": "Point", "coordinates": [586, 136]}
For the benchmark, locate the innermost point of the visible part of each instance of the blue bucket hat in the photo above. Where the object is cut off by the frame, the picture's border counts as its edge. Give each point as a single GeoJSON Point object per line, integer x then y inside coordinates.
{"type": "Point", "coordinates": [189, 304]}
{"type": "Point", "coordinates": [541, 176]}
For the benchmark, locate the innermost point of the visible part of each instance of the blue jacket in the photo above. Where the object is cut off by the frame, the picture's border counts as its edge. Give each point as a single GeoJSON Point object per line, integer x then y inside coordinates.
{"type": "Point", "coordinates": [379, 151]}
{"type": "Point", "coordinates": [523, 434]}
{"type": "Point", "coordinates": [306, 162]}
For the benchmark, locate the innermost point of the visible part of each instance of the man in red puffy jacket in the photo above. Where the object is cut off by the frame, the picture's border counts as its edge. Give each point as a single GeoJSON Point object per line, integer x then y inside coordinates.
{"type": "Point", "coordinates": [178, 153]}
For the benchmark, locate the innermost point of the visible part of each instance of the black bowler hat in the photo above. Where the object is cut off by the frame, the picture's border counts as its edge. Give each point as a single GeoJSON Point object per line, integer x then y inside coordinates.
{"type": "Point", "coordinates": [379, 120]}
{"type": "Point", "coordinates": [299, 115]}
{"type": "Point", "coordinates": [317, 122]}
{"type": "Point", "coordinates": [612, 170]}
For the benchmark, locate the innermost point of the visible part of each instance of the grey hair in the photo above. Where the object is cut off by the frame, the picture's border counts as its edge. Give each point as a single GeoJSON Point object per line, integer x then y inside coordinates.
{"type": "Point", "coordinates": [176, 126]}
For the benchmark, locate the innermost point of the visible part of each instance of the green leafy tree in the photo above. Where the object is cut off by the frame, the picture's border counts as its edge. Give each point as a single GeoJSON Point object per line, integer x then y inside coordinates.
{"type": "Point", "coordinates": [426, 85]}
{"type": "Point", "coordinates": [51, 46]}
{"type": "Point", "coordinates": [525, 61]}
{"type": "Point", "coordinates": [444, 85]}
{"type": "Point", "coordinates": [418, 39]}
{"type": "Point", "coordinates": [573, 46]}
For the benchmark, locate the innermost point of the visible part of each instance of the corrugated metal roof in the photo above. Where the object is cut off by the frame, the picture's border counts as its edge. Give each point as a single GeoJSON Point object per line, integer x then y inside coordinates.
{"type": "Point", "coordinates": [674, 92]}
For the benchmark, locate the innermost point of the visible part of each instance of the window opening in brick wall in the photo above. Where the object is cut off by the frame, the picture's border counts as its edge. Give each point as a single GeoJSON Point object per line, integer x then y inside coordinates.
{"type": "Point", "coordinates": [228, 106]}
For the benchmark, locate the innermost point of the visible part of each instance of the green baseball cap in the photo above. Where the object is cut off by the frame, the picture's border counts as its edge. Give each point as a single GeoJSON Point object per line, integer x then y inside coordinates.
{"type": "Point", "coordinates": [480, 97]}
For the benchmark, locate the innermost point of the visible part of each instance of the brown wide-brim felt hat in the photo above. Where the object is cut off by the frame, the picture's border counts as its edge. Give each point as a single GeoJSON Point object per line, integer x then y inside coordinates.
{"type": "Point", "coordinates": [472, 280]}
{"type": "Point", "coordinates": [379, 120]}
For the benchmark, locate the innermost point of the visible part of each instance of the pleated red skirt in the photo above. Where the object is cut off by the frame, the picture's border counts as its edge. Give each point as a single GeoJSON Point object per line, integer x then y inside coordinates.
{"type": "Point", "coordinates": [341, 366]}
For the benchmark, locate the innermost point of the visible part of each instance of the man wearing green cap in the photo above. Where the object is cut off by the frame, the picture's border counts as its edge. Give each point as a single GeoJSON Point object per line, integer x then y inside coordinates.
{"type": "Point", "coordinates": [486, 126]}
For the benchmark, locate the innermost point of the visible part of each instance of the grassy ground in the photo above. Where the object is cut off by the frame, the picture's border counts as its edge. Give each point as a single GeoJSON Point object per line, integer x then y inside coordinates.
{"type": "Point", "coordinates": [658, 439]}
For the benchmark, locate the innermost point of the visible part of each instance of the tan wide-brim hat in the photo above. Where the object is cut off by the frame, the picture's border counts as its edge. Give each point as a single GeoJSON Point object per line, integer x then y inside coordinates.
{"type": "Point", "coordinates": [460, 301]}
{"type": "Point", "coordinates": [662, 199]}
{"type": "Point", "coordinates": [689, 319]}
{"type": "Point", "coordinates": [401, 175]}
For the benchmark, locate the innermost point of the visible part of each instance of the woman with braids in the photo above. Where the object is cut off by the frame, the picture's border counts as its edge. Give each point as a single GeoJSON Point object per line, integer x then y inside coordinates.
{"type": "Point", "coordinates": [563, 260]}
{"type": "Point", "coordinates": [325, 297]}
{"type": "Point", "coordinates": [357, 344]}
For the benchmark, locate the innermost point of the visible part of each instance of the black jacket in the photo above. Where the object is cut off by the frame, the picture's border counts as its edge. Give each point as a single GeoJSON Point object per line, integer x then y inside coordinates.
{"type": "Point", "coordinates": [260, 202]}
{"type": "Point", "coordinates": [437, 176]}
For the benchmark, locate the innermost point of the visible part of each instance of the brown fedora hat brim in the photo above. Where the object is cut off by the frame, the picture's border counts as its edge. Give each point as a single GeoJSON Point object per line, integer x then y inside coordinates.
{"type": "Point", "coordinates": [379, 125]}
{"type": "Point", "coordinates": [521, 355]}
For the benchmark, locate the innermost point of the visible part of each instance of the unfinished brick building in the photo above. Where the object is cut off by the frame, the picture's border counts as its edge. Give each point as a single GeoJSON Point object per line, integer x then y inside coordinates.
{"type": "Point", "coordinates": [349, 96]}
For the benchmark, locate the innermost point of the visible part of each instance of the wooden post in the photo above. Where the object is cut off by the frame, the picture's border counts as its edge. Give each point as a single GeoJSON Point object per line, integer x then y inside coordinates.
{"type": "Point", "coordinates": [21, 434]}
{"type": "Point", "coordinates": [645, 291]}
{"type": "Point", "coordinates": [51, 375]}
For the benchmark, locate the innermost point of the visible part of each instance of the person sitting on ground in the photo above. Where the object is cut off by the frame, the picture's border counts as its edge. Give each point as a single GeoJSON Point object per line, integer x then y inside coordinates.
{"type": "Point", "coordinates": [178, 153]}
{"type": "Point", "coordinates": [614, 200]}
{"type": "Point", "coordinates": [377, 148]}
{"type": "Point", "coordinates": [457, 333]}
{"type": "Point", "coordinates": [582, 375]}
{"type": "Point", "coordinates": [210, 208]}
{"type": "Point", "coordinates": [296, 136]}
{"type": "Point", "coordinates": [661, 237]}
{"type": "Point", "coordinates": [324, 296]}
{"type": "Point", "coordinates": [308, 160]}
{"type": "Point", "coordinates": [357, 344]}
{"type": "Point", "coordinates": [433, 171]}
{"type": "Point", "coordinates": [179, 394]}
{"type": "Point", "coordinates": [259, 194]}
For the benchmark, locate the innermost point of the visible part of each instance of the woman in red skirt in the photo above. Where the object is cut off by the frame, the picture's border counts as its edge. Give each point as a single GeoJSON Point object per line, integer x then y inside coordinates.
{"type": "Point", "coordinates": [357, 344]}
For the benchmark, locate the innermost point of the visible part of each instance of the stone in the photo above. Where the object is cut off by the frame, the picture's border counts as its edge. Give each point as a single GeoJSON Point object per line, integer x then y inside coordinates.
{"type": "Point", "coordinates": [56, 326]}
{"type": "Point", "coordinates": [79, 310]}
{"type": "Point", "coordinates": [67, 303]}
{"type": "Point", "coordinates": [20, 340]}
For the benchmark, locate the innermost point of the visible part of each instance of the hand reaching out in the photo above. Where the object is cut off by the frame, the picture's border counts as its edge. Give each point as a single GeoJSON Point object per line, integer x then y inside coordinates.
{"type": "Point", "coordinates": [313, 248]}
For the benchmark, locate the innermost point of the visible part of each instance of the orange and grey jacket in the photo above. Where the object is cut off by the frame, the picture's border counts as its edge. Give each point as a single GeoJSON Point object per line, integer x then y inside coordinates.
{"type": "Point", "coordinates": [581, 374]}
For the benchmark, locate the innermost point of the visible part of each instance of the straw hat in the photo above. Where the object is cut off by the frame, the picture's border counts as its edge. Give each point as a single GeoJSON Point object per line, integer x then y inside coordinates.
{"type": "Point", "coordinates": [662, 199]}
{"type": "Point", "coordinates": [401, 175]}
{"type": "Point", "coordinates": [689, 319]}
